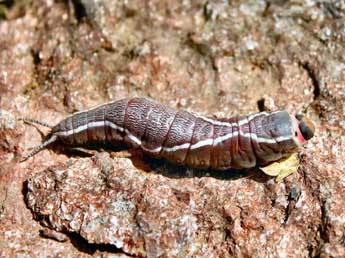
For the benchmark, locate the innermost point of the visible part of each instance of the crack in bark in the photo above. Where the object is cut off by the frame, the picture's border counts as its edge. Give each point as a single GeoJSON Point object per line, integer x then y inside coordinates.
{"type": "Point", "coordinates": [312, 74]}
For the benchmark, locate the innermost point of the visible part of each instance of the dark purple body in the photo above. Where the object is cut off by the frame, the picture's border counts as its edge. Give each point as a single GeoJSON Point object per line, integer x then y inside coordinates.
{"type": "Point", "coordinates": [183, 137]}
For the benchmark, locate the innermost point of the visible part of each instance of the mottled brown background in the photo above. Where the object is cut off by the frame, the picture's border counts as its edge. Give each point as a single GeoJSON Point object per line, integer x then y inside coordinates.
{"type": "Point", "coordinates": [213, 57]}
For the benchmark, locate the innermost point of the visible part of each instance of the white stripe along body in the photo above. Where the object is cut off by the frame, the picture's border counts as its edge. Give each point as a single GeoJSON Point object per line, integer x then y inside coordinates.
{"type": "Point", "coordinates": [183, 137]}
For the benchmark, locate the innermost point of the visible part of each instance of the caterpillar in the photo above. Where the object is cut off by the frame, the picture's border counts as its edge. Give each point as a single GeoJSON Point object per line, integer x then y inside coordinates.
{"type": "Point", "coordinates": [184, 137]}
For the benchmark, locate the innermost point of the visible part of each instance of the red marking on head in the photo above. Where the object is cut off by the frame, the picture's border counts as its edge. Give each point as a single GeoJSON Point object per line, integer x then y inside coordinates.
{"type": "Point", "coordinates": [297, 132]}
{"type": "Point", "coordinates": [300, 136]}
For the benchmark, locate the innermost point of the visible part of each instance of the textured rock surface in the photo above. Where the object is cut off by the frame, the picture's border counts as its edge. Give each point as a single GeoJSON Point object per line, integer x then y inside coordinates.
{"type": "Point", "coordinates": [221, 58]}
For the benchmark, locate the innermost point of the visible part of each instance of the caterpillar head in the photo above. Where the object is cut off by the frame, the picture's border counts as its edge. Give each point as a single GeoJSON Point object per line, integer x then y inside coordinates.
{"type": "Point", "coordinates": [304, 128]}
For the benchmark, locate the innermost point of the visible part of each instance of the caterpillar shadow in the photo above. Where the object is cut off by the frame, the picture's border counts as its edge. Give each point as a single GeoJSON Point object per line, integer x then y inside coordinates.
{"type": "Point", "coordinates": [171, 170]}
{"type": "Point", "coordinates": [163, 167]}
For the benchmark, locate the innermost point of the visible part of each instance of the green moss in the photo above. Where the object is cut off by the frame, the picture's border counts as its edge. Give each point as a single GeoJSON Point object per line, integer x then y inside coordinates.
{"type": "Point", "coordinates": [11, 9]}
{"type": "Point", "coordinates": [31, 87]}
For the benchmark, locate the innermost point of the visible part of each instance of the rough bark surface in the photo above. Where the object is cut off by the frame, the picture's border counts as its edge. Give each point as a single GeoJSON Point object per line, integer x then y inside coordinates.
{"type": "Point", "coordinates": [220, 58]}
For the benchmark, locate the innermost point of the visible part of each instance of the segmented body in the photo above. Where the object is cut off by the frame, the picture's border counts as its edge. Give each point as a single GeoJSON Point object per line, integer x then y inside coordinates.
{"type": "Point", "coordinates": [183, 137]}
